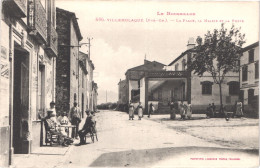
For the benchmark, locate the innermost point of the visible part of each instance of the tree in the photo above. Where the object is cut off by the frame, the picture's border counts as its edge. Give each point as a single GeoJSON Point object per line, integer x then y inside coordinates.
{"type": "Point", "coordinates": [218, 54]}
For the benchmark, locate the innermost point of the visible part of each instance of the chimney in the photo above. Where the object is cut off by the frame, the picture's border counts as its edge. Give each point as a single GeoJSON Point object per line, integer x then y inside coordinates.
{"type": "Point", "coordinates": [191, 43]}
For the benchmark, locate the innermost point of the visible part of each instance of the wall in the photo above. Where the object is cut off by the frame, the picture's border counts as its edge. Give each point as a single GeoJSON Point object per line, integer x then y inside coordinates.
{"type": "Point", "coordinates": [200, 102]}
{"type": "Point", "coordinates": [142, 92]}
{"type": "Point", "coordinates": [4, 77]}
{"type": "Point", "coordinates": [63, 62]}
{"type": "Point", "coordinates": [4, 95]}
{"type": "Point", "coordinates": [74, 65]}
{"type": "Point", "coordinates": [132, 85]}
{"type": "Point", "coordinates": [251, 83]}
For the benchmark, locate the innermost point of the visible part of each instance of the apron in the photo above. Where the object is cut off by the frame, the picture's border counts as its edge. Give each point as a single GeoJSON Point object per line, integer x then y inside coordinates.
{"type": "Point", "coordinates": [140, 111]}
{"type": "Point", "coordinates": [131, 110]}
{"type": "Point", "coordinates": [189, 111]}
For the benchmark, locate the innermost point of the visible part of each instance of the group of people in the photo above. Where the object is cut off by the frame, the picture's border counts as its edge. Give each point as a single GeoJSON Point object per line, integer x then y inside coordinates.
{"type": "Point", "coordinates": [211, 110]}
{"type": "Point", "coordinates": [235, 111]}
{"type": "Point", "coordinates": [139, 109]}
{"type": "Point", "coordinates": [55, 123]}
{"type": "Point", "coordinates": [184, 109]}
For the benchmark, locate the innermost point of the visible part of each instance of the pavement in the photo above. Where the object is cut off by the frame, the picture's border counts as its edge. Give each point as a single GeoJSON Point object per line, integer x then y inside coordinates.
{"type": "Point", "coordinates": [156, 142]}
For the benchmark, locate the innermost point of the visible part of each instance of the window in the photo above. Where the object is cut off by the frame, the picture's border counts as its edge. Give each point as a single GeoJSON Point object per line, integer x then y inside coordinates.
{"type": "Point", "coordinates": [251, 56]}
{"type": "Point", "coordinates": [41, 91]}
{"type": "Point", "coordinates": [233, 88]}
{"type": "Point", "coordinates": [244, 73]}
{"type": "Point", "coordinates": [207, 87]}
{"type": "Point", "coordinates": [183, 64]}
{"type": "Point", "coordinates": [257, 70]}
{"type": "Point", "coordinates": [75, 97]}
{"type": "Point", "coordinates": [176, 67]}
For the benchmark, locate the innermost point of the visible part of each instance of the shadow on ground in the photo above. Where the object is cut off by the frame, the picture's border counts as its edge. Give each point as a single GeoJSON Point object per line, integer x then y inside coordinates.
{"type": "Point", "coordinates": [150, 157]}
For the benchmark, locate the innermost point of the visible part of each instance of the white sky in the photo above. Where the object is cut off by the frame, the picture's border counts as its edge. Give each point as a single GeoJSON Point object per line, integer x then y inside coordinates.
{"type": "Point", "coordinates": [118, 46]}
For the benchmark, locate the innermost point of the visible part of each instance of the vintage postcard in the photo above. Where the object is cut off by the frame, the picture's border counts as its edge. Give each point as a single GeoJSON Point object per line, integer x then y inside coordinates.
{"type": "Point", "coordinates": [129, 83]}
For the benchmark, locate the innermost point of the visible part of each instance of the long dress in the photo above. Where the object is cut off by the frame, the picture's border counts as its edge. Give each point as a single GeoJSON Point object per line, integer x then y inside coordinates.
{"type": "Point", "coordinates": [131, 111]}
{"type": "Point", "coordinates": [189, 111]}
{"type": "Point", "coordinates": [173, 111]}
{"type": "Point", "coordinates": [239, 110]}
{"type": "Point", "coordinates": [140, 111]}
{"type": "Point", "coordinates": [182, 111]}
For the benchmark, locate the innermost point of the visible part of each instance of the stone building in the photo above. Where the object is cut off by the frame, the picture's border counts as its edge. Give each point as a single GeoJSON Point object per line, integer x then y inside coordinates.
{"type": "Point", "coordinates": [95, 95]}
{"type": "Point", "coordinates": [201, 90]}
{"type": "Point", "coordinates": [67, 73]}
{"type": "Point", "coordinates": [159, 85]}
{"type": "Point", "coordinates": [122, 92]}
{"type": "Point", "coordinates": [249, 79]}
{"type": "Point", "coordinates": [28, 59]}
{"type": "Point", "coordinates": [87, 87]}
{"type": "Point", "coordinates": [90, 84]}
{"type": "Point", "coordinates": [134, 88]}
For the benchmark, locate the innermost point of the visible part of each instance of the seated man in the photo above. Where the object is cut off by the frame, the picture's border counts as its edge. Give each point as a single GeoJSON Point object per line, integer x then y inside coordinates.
{"type": "Point", "coordinates": [52, 126]}
{"type": "Point", "coordinates": [89, 123]}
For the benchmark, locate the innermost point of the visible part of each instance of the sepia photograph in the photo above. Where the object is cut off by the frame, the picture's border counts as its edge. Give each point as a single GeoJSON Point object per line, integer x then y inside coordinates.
{"type": "Point", "coordinates": [129, 84]}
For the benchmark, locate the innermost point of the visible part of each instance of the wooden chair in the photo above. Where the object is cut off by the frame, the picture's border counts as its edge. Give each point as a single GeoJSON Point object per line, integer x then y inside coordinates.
{"type": "Point", "coordinates": [50, 138]}
{"type": "Point", "coordinates": [92, 134]}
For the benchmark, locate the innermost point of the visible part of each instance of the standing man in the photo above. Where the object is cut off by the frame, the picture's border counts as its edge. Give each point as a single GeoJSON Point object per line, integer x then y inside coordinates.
{"type": "Point", "coordinates": [151, 110]}
{"type": "Point", "coordinates": [75, 118]}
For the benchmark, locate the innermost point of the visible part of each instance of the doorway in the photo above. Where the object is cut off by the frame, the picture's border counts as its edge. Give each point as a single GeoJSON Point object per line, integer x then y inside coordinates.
{"type": "Point", "coordinates": [21, 101]}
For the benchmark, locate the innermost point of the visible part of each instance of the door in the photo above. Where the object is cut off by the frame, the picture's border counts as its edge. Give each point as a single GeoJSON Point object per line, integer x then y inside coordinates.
{"type": "Point", "coordinates": [21, 102]}
{"type": "Point", "coordinates": [250, 96]}
{"type": "Point", "coordinates": [82, 105]}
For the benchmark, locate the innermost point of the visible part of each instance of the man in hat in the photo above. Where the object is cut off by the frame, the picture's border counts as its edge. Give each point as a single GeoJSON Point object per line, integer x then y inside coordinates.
{"type": "Point", "coordinates": [75, 118]}
{"type": "Point", "coordinates": [89, 123]}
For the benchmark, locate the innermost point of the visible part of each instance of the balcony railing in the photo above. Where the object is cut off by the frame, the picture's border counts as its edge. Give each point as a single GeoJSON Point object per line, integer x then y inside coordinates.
{"type": "Point", "coordinates": [167, 74]}
{"type": "Point", "coordinates": [16, 8]}
{"type": "Point", "coordinates": [37, 21]}
{"type": "Point", "coordinates": [52, 40]}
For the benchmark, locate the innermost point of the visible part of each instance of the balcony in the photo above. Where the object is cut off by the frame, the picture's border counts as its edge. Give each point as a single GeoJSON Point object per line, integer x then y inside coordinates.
{"type": "Point", "coordinates": [16, 8]}
{"type": "Point", "coordinates": [37, 21]}
{"type": "Point", "coordinates": [52, 41]}
{"type": "Point", "coordinates": [167, 74]}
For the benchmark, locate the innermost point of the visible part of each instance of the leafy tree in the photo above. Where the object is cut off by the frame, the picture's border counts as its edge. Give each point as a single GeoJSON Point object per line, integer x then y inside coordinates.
{"type": "Point", "coordinates": [218, 54]}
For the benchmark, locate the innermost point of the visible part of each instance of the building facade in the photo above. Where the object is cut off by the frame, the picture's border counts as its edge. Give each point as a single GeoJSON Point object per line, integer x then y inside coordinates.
{"type": "Point", "coordinates": [90, 83]}
{"type": "Point", "coordinates": [95, 96]}
{"type": "Point", "coordinates": [68, 69]}
{"type": "Point", "coordinates": [134, 82]}
{"type": "Point", "coordinates": [122, 92]}
{"type": "Point", "coordinates": [249, 79]}
{"type": "Point", "coordinates": [161, 85]}
{"type": "Point", "coordinates": [201, 90]}
{"type": "Point", "coordinates": [27, 81]}
{"type": "Point", "coordinates": [88, 88]}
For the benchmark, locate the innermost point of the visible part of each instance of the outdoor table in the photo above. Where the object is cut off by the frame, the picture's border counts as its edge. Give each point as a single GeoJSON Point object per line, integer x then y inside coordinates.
{"type": "Point", "coordinates": [69, 126]}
